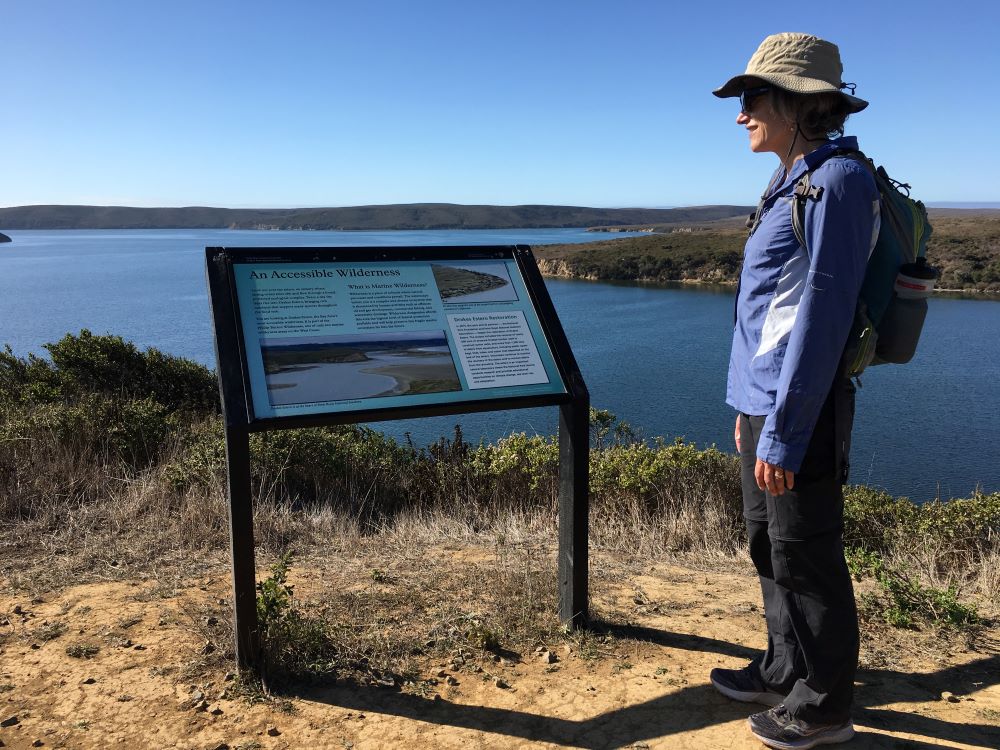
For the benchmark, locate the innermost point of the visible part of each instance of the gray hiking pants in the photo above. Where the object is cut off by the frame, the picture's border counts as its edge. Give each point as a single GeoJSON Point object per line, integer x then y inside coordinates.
{"type": "Point", "coordinates": [797, 547]}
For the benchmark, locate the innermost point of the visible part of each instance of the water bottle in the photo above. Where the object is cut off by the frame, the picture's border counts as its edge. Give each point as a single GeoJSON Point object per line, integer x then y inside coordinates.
{"type": "Point", "coordinates": [916, 280]}
{"type": "Point", "coordinates": [900, 327]}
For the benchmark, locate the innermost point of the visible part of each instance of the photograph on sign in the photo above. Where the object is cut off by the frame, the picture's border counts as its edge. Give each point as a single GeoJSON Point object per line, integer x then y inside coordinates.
{"type": "Point", "coordinates": [303, 370]}
{"type": "Point", "coordinates": [462, 283]}
{"type": "Point", "coordinates": [333, 336]}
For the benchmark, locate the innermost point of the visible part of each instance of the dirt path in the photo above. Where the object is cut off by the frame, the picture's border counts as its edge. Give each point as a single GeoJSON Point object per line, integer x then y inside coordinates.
{"type": "Point", "coordinates": [124, 665]}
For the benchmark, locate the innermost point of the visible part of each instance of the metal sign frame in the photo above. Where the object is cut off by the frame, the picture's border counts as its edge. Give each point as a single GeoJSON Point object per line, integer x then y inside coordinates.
{"type": "Point", "coordinates": [240, 419]}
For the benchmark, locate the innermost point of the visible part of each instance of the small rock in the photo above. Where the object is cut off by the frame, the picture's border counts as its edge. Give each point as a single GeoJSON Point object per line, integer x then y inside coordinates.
{"type": "Point", "coordinates": [567, 649]}
{"type": "Point", "coordinates": [18, 610]}
{"type": "Point", "coordinates": [208, 648]}
{"type": "Point", "coordinates": [501, 683]}
{"type": "Point", "coordinates": [37, 743]}
{"type": "Point", "coordinates": [197, 695]}
{"type": "Point", "coordinates": [229, 676]}
{"type": "Point", "coordinates": [220, 746]}
{"type": "Point", "coordinates": [440, 673]}
{"type": "Point", "coordinates": [211, 620]}
{"type": "Point", "coordinates": [548, 657]}
{"type": "Point", "coordinates": [449, 680]}
{"type": "Point", "coordinates": [10, 721]}
{"type": "Point", "coordinates": [215, 711]}
{"type": "Point", "coordinates": [540, 649]}
{"type": "Point", "coordinates": [272, 731]}
{"type": "Point", "coordinates": [950, 697]}
{"type": "Point", "coordinates": [201, 706]}
{"type": "Point", "coordinates": [87, 681]}
{"type": "Point", "coordinates": [386, 682]}
{"type": "Point", "coordinates": [35, 647]}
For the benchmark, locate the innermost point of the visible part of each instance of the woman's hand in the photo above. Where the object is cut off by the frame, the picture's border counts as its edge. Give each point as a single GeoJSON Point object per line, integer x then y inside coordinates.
{"type": "Point", "coordinates": [773, 478]}
{"type": "Point", "coordinates": [736, 435]}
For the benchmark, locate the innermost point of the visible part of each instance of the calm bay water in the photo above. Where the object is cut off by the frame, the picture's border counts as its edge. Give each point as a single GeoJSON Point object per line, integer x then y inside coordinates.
{"type": "Point", "coordinates": [654, 356]}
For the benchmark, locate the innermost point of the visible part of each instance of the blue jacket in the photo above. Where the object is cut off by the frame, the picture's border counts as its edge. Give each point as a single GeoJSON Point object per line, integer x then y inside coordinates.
{"type": "Point", "coordinates": [794, 309]}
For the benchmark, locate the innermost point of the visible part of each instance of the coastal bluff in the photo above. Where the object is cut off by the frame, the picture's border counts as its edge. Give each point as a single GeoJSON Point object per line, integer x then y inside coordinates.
{"type": "Point", "coordinates": [4, 238]}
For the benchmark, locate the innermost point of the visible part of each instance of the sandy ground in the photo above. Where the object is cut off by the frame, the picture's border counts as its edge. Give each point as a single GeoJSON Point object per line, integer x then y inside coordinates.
{"type": "Point", "coordinates": [110, 665]}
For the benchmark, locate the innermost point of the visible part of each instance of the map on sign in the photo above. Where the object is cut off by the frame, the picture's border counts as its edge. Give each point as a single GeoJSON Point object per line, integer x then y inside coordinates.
{"type": "Point", "coordinates": [338, 336]}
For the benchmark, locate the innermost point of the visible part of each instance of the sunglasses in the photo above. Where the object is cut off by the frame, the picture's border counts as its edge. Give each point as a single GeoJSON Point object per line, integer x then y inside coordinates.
{"type": "Point", "coordinates": [747, 97]}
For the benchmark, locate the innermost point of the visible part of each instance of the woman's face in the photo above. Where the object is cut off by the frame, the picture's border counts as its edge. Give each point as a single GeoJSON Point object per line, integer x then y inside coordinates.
{"type": "Point", "coordinates": [768, 132]}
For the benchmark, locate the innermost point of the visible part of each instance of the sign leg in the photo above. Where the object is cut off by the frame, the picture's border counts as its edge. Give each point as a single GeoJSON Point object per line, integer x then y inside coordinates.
{"type": "Point", "coordinates": [241, 542]}
{"type": "Point", "coordinates": [574, 508]}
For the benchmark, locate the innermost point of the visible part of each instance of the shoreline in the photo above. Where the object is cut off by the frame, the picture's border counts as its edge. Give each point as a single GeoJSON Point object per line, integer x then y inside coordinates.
{"type": "Point", "coordinates": [671, 283]}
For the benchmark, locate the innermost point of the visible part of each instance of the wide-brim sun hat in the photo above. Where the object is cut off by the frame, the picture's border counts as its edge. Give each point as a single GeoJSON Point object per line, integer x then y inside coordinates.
{"type": "Point", "coordinates": [799, 63]}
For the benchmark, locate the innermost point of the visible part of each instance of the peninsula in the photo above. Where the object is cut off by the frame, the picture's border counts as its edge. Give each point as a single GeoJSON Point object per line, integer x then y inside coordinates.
{"type": "Point", "coordinates": [964, 247]}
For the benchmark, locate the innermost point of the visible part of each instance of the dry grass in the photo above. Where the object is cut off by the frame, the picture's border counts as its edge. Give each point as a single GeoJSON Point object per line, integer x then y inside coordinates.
{"type": "Point", "coordinates": [393, 524]}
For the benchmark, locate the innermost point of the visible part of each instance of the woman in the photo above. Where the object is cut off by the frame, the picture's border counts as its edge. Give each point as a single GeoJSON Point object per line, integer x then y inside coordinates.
{"type": "Point", "coordinates": [794, 309]}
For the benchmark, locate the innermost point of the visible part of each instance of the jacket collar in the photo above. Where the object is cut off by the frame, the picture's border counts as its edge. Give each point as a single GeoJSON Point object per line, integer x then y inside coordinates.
{"type": "Point", "coordinates": [781, 182]}
{"type": "Point", "coordinates": [814, 158]}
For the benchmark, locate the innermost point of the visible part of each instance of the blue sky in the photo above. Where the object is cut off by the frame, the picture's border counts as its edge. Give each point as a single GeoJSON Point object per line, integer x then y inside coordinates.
{"type": "Point", "coordinates": [347, 103]}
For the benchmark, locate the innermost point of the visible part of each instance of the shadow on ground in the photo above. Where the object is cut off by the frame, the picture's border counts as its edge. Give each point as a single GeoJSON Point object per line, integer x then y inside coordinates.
{"type": "Point", "coordinates": [696, 707]}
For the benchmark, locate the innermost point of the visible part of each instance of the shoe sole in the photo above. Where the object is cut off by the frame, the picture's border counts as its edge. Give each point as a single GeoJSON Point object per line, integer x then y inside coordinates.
{"type": "Point", "coordinates": [764, 699]}
{"type": "Point", "coordinates": [833, 738]}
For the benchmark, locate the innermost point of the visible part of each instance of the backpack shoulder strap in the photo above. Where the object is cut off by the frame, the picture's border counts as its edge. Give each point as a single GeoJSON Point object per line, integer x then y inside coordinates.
{"type": "Point", "coordinates": [805, 191]}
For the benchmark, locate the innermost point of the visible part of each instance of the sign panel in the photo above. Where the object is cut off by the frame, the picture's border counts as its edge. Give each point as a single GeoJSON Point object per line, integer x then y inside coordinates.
{"type": "Point", "coordinates": [332, 332]}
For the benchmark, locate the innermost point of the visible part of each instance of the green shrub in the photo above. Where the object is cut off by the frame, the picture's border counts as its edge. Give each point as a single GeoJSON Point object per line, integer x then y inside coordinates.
{"type": "Point", "coordinates": [131, 431]}
{"type": "Point", "coordinates": [522, 468]}
{"type": "Point", "coordinates": [293, 643]}
{"type": "Point", "coordinates": [903, 602]}
{"type": "Point", "coordinates": [85, 364]}
{"type": "Point", "coordinates": [873, 518]}
{"type": "Point", "coordinates": [200, 460]}
{"type": "Point", "coordinates": [874, 521]}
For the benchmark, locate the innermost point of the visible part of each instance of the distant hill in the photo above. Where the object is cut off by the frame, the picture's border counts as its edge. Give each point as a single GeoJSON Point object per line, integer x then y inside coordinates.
{"type": "Point", "coordinates": [4, 237]}
{"type": "Point", "coordinates": [397, 216]}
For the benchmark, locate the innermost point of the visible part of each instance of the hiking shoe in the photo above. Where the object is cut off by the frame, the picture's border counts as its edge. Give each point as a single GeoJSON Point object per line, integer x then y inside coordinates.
{"type": "Point", "coordinates": [779, 729]}
{"type": "Point", "coordinates": [744, 685]}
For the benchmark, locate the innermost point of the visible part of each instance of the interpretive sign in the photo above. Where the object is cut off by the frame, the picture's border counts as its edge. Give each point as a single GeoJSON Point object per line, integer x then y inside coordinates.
{"type": "Point", "coordinates": [337, 334]}
{"type": "Point", "coordinates": [321, 336]}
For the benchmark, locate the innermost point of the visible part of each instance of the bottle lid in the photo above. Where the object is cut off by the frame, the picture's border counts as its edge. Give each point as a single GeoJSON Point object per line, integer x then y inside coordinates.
{"type": "Point", "coordinates": [919, 270]}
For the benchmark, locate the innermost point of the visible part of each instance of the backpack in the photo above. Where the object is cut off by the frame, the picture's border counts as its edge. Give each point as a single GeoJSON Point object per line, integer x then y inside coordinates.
{"type": "Point", "coordinates": [892, 304]}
